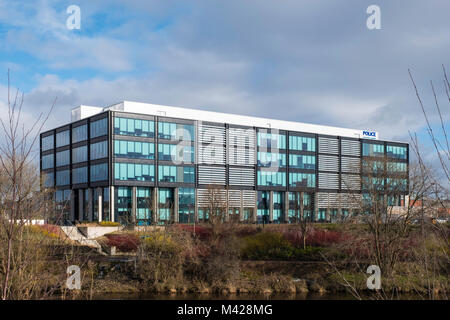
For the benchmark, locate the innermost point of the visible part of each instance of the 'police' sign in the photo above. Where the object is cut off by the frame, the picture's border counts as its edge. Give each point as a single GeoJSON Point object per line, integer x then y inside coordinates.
{"type": "Point", "coordinates": [370, 134]}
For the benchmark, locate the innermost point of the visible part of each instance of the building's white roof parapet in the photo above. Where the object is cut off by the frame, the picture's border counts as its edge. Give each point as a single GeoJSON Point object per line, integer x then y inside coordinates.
{"type": "Point", "coordinates": [210, 116]}
{"type": "Point", "coordinates": [82, 112]}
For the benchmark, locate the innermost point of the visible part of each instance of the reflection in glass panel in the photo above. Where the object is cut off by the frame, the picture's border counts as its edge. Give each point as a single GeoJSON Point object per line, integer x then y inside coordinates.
{"type": "Point", "coordinates": [63, 158]}
{"type": "Point", "coordinates": [134, 127]}
{"type": "Point", "coordinates": [176, 174]}
{"type": "Point", "coordinates": [79, 175]}
{"type": "Point", "coordinates": [143, 206]}
{"type": "Point", "coordinates": [99, 150]}
{"type": "Point", "coordinates": [99, 172]}
{"type": "Point", "coordinates": [79, 133]}
{"type": "Point", "coordinates": [99, 128]}
{"type": "Point", "coordinates": [165, 205]}
{"type": "Point", "coordinates": [134, 171]}
{"type": "Point", "coordinates": [134, 149]}
{"type": "Point", "coordinates": [186, 205]}
{"type": "Point", "coordinates": [47, 143]}
{"type": "Point", "coordinates": [271, 178]}
{"type": "Point", "coordinates": [63, 138]}
{"type": "Point", "coordinates": [47, 161]}
{"type": "Point", "coordinates": [123, 205]}
{"type": "Point", "coordinates": [176, 131]}
{"type": "Point", "coordinates": [79, 154]}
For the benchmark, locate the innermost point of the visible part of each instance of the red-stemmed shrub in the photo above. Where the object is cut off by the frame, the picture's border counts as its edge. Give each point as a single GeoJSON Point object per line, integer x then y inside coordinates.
{"type": "Point", "coordinates": [123, 242]}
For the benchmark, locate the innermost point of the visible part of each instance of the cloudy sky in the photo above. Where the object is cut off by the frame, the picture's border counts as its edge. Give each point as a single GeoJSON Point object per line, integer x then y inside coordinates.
{"type": "Point", "coordinates": [305, 60]}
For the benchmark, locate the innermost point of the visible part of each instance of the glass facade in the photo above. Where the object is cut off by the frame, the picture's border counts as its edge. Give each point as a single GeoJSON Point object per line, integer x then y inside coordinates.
{"type": "Point", "coordinates": [79, 133]}
{"type": "Point", "coordinates": [176, 153]}
{"type": "Point", "coordinates": [123, 205]}
{"type": "Point", "coordinates": [271, 140]}
{"type": "Point", "coordinates": [79, 154]}
{"type": "Point", "coordinates": [99, 128]}
{"type": "Point", "coordinates": [302, 143]}
{"type": "Point", "coordinates": [263, 205]}
{"type": "Point", "coordinates": [186, 205]}
{"type": "Point", "coordinates": [298, 179]}
{"type": "Point", "coordinates": [298, 161]}
{"type": "Point", "coordinates": [47, 161]}
{"type": "Point", "coordinates": [99, 150]}
{"type": "Point", "coordinates": [134, 149]}
{"type": "Point", "coordinates": [62, 178]}
{"type": "Point", "coordinates": [295, 205]}
{"type": "Point", "coordinates": [48, 179]}
{"type": "Point", "coordinates": [372, 150]}
{"type": "Point", "coordinates": [278, 206]}
{"type": "Point", "coordinates": [143, 206]}
{"type": "Point", "coordinates": [271, 178]}
{"type": "Point", "coordinates": [63, 158]}
{"type": "Point", "coordinates": [271, 159]}
{"type": "Point", "coordinates": [396, 152]}
{"type": "Point", "coordinates": [134, 127]}
{"type": "Point", "coordinates": [99, 172]}
{"type": "Point", "coordinates": [175, 131]}
{"type": "Point", "coordinates": [134, 171]}
{"type": "Point", "coordinates": [165, 205]}
{"type": "Point", "coordinates": [397, 167]}
{"type": "Point", "coordinates": [62, 138]}
{"type": "Point", "coordinates": [47, 143]}
{"type": "Point", "coordinates": [79, 175]}
{"type": "Point", "coordinates": [176, 174]}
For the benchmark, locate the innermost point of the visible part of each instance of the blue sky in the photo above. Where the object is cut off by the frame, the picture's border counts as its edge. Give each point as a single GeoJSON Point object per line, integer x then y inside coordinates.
{"type": "Point", "coordinates": [310, 61]}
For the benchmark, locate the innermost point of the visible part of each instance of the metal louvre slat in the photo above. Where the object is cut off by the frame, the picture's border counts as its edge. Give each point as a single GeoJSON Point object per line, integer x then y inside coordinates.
{"type": "Point", "coordinates": [328, 180]}
{"type": "Point", "coordinates": [350, 165]}
{"type": "Point", "coordinates": [211, 175]}
{"type": "Point", "coordinates": [328, 163]}
{"type": "Point", "coordinates": [328, 145]}
{"type": "Point", "coordinates": [350, 148]}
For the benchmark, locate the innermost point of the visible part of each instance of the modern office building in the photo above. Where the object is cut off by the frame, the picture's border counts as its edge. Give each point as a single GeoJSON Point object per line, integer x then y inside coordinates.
{"type": "Point", "coordinates": [149, 163]}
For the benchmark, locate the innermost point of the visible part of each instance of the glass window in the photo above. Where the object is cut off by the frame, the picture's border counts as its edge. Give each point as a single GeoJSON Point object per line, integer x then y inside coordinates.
{"type": "Point", "coordinates": [263, 206]}
{"type": "Point", "coordinates": [47, 143]}
{"type": "Point", "coordinates": [186, 205]}
{"type": "Point", "coordinates": [99, 150]}
{"type": "Point", "coordinates": [62, 138]}
{"type": "Point", "coordinates": [79, 175]}
{"type": "Point", "coordinates": [299, 161]}
{"type": "Point", "coordinates": [134, 127]}
{"type": "Point", "coordinates": [396, 152]}
{"type": "Point", "coordinates": [123, 204]}
{"type": "Point", "coordinates": [271, 159]}
{"type": "Point", "coordinates": [373, 150]}
{"type": "Point", "coordinates": [62, 177]}
{"type": "Point", "coordinates": [175, 153]}
{"type": "Point", "coordinates": [79, 133]}
{"type": "Point", "coordinates": [99, 128]}
{"type": "Point", "coordinates": [79, 154]}
{"type": "Point", "coordinates": [271, 178]}
{"type": "Point", "coordinates": [298, 179]}
{"type": "Point", "coordinates": [99, 172]}
{"type": "Point", "coordinates": [47, 161]}
{"type": "Point", "coordinates": [165, 205]}
{"type": "Point", "coordinates": [134, 149]}
{"type": "Point", "coordinates": [48, 179]}
{"type": "Point", "coordinates": [63, 158]}
{"type": "Point", "coordinates": [397, 166]}
{"type": "Point", "coordinates": [176, 174]}
{"type": "Point", "coordinates": [134, 171]}
{"type": "Point", "coordinates": [143, 206]}
{"type": "Point", "coordinates": [176, 131]}
{"type": "Point", "coordinates": [302, 143]}
{"type": "Point", "coordinates": [278, 205]}
{"type": "Point", "coordinates": [271, 140]}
